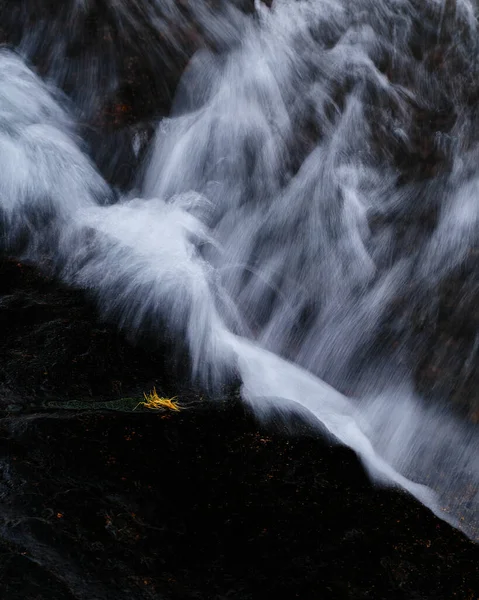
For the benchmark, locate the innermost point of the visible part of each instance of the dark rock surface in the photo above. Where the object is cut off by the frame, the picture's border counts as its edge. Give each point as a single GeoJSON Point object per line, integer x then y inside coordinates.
{"type": "Point", "coordinates": [144, 49]}
{"type": "Point", "coordinates": [53, 346]}
{"type": "Point", "coordinates": [100, 501]}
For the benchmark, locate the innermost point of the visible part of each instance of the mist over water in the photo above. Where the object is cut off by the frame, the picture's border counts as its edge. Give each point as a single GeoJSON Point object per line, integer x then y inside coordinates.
{"type": "Point", "coordinates": [278, 224]}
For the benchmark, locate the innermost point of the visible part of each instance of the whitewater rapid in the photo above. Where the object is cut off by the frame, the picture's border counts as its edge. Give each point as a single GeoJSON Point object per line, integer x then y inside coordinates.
{"type": "Point", "coordinates": [248, 236]}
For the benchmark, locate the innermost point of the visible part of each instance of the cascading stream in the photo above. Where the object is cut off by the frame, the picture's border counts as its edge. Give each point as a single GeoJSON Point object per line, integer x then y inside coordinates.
{"type": "Point", "coordinates": [254, 236]}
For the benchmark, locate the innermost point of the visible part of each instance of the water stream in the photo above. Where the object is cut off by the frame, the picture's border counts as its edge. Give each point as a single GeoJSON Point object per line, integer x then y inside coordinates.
{"type": "Point", "coordinates": [275, 226]}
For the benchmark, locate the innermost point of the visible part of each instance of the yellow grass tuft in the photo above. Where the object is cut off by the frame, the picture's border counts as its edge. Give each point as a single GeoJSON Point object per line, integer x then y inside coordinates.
{"type": "Point", "coordinates": [155, 402]}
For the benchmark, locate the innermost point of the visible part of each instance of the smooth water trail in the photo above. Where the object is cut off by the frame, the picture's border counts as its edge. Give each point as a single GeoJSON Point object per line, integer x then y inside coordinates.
{"type": "Point", "coordinates": [294, 137]}
{"type": "Point", "coordinates": [279, 227]}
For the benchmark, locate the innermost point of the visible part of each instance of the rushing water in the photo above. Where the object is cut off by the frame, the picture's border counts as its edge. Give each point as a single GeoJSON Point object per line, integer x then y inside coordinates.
{"type": "Point", "coordinates": [278, 221]}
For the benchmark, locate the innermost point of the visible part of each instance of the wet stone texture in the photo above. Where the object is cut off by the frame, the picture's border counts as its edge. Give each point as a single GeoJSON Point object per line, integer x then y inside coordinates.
{"type": "Point", "coordinates": [101, 499]}
{"type": "Point", "coordinates": [144, 49]}
{"type": "Point", "coordinates": [104, 499]}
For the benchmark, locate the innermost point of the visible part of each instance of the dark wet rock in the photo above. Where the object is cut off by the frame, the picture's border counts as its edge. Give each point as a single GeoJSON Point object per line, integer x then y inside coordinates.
{"type": "Point", "coordinates": [448, 343]}
{"type": "Point", "coordinates": [53, 345]}
{"type": "Point", "coordinates": [144, 49]}
{"type": "Point", "coordinates": [204, 504]}
{"type": "Point", "coordinates": [101, 498]}
{"type": "Point", "coordinates": [101, 501]}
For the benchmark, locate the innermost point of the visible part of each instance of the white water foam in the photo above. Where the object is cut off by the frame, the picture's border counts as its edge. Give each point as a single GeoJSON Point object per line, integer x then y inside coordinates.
{"type": "Point", "coordinates": [253, 238]}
